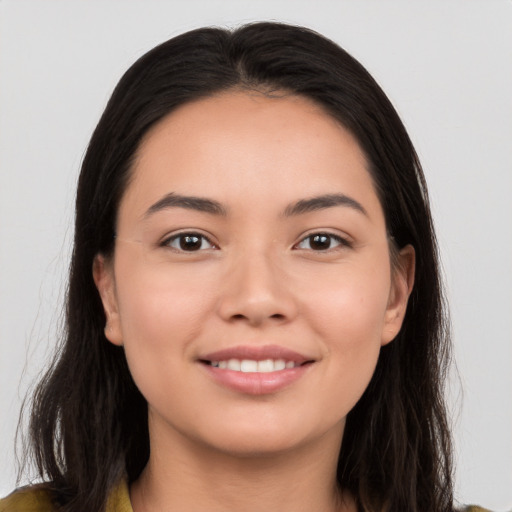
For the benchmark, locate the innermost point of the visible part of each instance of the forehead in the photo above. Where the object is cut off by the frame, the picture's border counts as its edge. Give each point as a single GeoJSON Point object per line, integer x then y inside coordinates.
{"type": "Point", "coordinates": [246, 144]}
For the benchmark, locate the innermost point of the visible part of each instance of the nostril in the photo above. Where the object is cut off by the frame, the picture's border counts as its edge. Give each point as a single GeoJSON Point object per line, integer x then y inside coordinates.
{"type": "Point", "coordinates": [257, 318]}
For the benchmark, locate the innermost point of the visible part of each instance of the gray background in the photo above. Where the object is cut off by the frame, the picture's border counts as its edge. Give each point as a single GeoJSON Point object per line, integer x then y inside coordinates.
{"type": "Point", "coordinates": [447, 67]}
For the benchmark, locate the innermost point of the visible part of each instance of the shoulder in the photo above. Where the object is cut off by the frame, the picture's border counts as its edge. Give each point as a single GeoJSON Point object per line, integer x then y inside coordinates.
{"type": "Point", "coordinates": [28, 499]}
{"type": "Point", "coordinates": [473, 508]}
{"type": "Point", "coordinates": [37, 498]}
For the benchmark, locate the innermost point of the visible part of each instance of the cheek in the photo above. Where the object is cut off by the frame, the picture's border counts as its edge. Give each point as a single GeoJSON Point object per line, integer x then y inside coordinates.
{"type": "Point", "coordinates": [154, 294]}
{"type": "Point", "coordinates": [161, 311]}
{"type": "Point", "coordinates": [349, 305]}
{"type": "Point", "coordinates": [348, 317]}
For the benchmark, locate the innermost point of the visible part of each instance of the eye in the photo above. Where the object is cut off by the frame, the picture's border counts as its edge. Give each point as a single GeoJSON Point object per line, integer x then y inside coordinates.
{"type": "Point", "coordinates": [188, 242]}
{"type": "Point", "coordinates": [322, 242]}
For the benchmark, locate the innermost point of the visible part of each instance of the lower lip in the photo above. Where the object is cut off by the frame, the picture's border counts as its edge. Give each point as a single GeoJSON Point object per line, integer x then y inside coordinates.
{"type": "Point", "coordinates": [253, 383]}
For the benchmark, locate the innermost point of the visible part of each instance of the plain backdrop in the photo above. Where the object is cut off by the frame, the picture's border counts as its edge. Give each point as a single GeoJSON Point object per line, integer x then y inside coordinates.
{"type": "Point", "coordinates": [447, 67]}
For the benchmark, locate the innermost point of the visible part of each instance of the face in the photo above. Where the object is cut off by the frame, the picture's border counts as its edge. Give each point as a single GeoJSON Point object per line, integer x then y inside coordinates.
{"type": "Point", "coordinates": [251, 284]}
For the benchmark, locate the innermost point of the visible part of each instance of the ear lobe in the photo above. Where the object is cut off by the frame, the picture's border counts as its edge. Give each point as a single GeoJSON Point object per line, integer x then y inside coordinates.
{"type": "Point", "coordinates": [401, 288]}
{"type": "Point", "coordinates": [103, 275]}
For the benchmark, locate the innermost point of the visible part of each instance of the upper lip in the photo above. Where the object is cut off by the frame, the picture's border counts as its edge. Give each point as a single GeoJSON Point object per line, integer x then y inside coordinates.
{"type": "Point", "coordinates": [256, 353]}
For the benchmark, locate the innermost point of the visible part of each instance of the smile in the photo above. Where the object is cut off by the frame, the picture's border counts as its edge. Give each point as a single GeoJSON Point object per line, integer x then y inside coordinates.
{"type": "Point", "coordinates": [253, 366]}
{"type": "Point", "coordinates": [256, 370]}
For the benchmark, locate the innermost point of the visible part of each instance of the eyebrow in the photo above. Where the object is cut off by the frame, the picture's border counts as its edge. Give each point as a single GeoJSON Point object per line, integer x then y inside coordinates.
{"type": "Point", "coordinates": [322, 202]}
{"type": "Point", "coordinates": [202, 204]}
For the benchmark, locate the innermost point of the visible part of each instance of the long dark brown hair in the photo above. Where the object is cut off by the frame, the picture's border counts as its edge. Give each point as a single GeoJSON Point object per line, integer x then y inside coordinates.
{"type": "Point", "coordinates": [89, 421]}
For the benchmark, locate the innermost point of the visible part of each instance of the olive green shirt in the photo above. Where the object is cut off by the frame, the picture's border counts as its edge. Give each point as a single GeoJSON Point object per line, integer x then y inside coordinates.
{"type": "Point", "coordinates": [37, 499]}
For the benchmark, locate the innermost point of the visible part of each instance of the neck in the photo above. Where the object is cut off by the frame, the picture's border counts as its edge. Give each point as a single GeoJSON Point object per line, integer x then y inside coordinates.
{"type": "Point", "coordinates": [181, 475]}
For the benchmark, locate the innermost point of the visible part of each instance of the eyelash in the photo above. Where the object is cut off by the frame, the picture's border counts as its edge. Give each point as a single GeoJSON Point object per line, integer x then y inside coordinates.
{"type": "Point", "coordinates": [342, 242]}
{"type": "Point", "coordinates": [167, 242]}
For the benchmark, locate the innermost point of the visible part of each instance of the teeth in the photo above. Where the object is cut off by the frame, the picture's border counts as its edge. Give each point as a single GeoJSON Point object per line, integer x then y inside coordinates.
{"type": "Point", "coordinates": [248, 366]}
{"type": "Point", "coordinates": [266, 366]}
{"type": "Point", "coordinates": [252, 366]}
{"type": "Point", "coordinates": [279, 365]}
{"type": "Point", "coordinates": [234, 364]}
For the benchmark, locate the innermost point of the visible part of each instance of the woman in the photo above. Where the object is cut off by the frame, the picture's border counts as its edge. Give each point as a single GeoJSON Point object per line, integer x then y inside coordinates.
{"type": "Point", "coordinates": [255, 317]}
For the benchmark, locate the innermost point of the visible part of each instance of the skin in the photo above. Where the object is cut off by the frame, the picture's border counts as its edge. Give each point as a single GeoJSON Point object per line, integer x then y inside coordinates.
{"type": "Point", "coordinates": [259, 282]}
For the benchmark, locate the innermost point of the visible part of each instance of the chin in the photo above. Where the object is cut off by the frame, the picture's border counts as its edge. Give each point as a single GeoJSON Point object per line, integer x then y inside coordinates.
{"type": "Point", "coordinates": [268, 438]}
{"type": "Point", "coordinates": [257, 446]}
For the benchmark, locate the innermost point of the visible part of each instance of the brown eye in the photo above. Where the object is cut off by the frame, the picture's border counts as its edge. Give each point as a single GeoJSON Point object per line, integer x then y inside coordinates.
{"type": "Point", "coordinates": [188, 242]}
{"type": "Point", "coordinates": [322, 242]}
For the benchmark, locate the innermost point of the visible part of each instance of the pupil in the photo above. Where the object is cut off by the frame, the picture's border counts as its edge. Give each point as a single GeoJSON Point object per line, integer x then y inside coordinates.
{"type": "Point", "coordinates": [321, 242]}
{"type": "Point", "coordinates": [190, 242]}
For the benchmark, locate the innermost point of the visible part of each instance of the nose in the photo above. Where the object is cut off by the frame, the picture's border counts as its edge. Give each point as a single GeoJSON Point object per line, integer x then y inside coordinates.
{"type": "Point", "coordinates": [257, 291]}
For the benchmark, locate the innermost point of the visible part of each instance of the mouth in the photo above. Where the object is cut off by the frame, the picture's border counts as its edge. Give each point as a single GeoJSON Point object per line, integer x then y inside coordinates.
{"type": "Point", "coordinates": [256, 370]}
{"type": "Point", "coordinates": [254, 366]}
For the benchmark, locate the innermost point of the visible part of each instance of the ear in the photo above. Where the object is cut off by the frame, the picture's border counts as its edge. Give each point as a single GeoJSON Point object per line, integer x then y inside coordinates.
{"type": "Point", "coordinates": [103, 275]}
{"type": "Point", "coordinates": [402, 282]}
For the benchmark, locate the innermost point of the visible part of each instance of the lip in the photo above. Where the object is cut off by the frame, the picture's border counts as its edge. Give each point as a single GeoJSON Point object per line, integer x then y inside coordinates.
{"type": "Point", "coordinates": [253, 383]}
{"type": "Point", "coordinates": [256, 353]}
